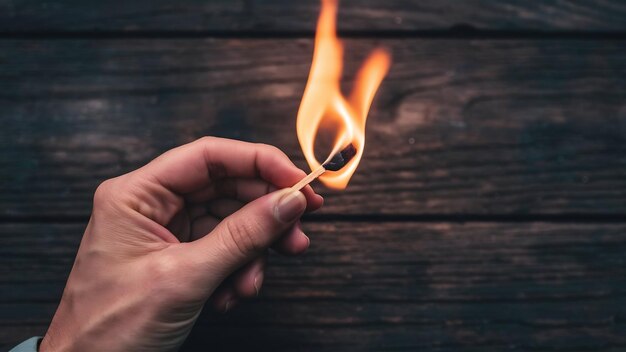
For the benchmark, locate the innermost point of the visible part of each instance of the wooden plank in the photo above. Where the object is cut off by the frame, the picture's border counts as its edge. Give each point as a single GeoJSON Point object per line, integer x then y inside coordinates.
{"type": "Point", "coordinates": [405, 286]}
{"type": "Point", "coordinates": [296, 16]}
{"type": "Point", "coordinates": [503, 127]}
{"type": "Point", "coordinates": [382, 338]}
{"type": "Point", "coordinates": [243, 338]}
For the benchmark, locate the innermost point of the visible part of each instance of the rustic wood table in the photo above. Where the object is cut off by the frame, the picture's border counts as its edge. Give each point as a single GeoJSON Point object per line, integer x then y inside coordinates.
{"type": "Point", "coordinates": [488, 214]}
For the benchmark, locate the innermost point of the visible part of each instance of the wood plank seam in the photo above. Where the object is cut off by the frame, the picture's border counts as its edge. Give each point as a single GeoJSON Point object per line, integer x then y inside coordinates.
{"type": "Point", "coordinates": [452, 33]}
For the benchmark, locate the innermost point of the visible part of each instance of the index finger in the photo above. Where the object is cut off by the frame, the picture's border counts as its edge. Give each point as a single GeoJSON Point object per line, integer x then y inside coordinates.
{"type": "Point", "coordinates": [193, 166]}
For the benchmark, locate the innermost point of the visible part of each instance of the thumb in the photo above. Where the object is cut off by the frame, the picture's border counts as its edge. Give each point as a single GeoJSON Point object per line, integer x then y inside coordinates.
{"type": "Point", "coordinates": [245, 234]}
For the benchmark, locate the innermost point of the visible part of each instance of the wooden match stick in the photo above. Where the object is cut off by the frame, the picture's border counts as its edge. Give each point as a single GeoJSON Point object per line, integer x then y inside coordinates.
{"type": "Point", "coordinates": [337, 162]}
{"type": "Point", "coordinates": [309, 178]}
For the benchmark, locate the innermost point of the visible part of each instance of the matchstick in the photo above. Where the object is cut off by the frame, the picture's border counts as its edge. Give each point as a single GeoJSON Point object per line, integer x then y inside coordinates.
{"type": "Point", "coordinates": [337, 162]}
{"type": "Point", "coordinates": [309, 178]}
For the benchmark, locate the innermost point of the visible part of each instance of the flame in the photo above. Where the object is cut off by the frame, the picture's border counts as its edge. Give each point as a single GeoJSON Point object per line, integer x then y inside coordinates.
{"type": "Point", "coordinates": [323, 105]}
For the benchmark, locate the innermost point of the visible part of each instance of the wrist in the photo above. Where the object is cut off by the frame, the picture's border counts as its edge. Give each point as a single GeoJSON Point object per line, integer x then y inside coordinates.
{"type": "Point", "coordinates": [57, 338]}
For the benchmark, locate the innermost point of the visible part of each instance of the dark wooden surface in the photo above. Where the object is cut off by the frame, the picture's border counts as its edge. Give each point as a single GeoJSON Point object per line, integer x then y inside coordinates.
{"type": "Point", "coordinates": [459, 127]}
{"type": "Point", "coordinates": [488, 214]}
{"type": "Point", "coordinates": [277, 16]}
{"type": "Point", "coordinates": [385, 285]}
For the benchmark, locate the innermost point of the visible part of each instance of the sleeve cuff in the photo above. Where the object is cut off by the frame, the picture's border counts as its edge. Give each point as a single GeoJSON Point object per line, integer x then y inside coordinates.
{"type": "Point", "coordinates": [30, 345]}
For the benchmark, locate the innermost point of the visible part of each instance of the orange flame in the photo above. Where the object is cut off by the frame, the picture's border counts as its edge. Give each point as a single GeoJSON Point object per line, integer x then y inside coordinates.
{"type": "Point", "coordinates": [324, 105]}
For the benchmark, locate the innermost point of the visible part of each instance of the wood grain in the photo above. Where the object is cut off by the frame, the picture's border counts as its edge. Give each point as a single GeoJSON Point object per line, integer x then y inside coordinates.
{"type": "Point", "coordinates": [502, 127]}
{"type": "Point", "coordinates": [516, 129]}
{"type": "Point", "coordinates": [272, 16]}
{"type": "Point", "coordinates": [383, 286]}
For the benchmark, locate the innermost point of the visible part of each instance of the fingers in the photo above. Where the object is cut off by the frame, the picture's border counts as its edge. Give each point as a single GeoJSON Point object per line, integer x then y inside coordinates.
{"type": "Point", "coordinates": [194, 166]}
{"type": "Point", "coordinates": [224, 207]}
{"type": "Point", "coordinates": [224, 298]}
{"type": "Point", "coordinates": [202, 226]}
{"type": "Point", "coordinates": [244, 190]}
{"type": "Point", "coordinates": [247, 233]}
{"type": "Point", "coordinates": [245, 283]}
{"type": "Point", "coordinates": [294, 242]}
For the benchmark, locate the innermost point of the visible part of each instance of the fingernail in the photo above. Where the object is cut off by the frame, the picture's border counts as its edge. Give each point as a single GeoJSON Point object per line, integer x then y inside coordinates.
{"type": "Point", "coordinates": [290, 207]}
{"type": "Point", "coordinates": [308, 240]}
{"type": "Point", "coordinates": [258, 280]}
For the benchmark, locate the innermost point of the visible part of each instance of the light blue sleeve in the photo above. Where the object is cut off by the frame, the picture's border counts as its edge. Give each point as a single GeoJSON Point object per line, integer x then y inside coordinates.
{"type": "Point", "coordinates": [29, 345]}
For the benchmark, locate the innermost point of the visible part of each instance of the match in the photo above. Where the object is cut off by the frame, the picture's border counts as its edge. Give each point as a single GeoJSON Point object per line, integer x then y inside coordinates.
{"type": "Point", "coordinates": [336, 163]}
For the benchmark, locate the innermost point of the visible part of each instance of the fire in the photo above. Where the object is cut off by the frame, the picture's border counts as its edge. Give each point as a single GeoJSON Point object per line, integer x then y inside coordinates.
{"type": "Point", "coordinates": [323, 105]}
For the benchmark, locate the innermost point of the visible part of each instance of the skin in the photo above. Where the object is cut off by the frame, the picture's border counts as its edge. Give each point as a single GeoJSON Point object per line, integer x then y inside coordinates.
{"type": "Point", "coordinates": [192, 226]}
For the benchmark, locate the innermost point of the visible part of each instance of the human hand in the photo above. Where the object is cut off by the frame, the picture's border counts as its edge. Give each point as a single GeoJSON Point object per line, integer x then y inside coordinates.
{"type": "Point", "coordinates": [192, 225]}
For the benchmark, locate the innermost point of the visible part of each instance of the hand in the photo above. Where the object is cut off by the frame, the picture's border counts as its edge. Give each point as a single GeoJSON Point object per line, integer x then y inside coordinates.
{"type": "Point", "coordinates": [164, 239]}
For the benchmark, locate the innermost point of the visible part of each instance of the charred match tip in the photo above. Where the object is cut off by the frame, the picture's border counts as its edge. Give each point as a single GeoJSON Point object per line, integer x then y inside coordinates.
{"type": "Point", "coordinates": [335, 163]}
{"type": "Point", "coordinates": [340, 159]}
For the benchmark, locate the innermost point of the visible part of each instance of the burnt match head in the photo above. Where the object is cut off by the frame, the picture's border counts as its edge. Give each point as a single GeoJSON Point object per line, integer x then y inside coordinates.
{"type": "Point", "coordinates": [340, 159]}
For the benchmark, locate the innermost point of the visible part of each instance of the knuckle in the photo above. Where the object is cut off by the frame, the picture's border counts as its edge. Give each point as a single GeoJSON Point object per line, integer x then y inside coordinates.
{"type": "Point", "coordinates": [174, 278]}
{"type": "Point", "coordinates": [110, 194]}
{"type": "Point", "coordinates": [164, 267]}
{"type": "Point", "coordinates": [103, 193]}
{"type": "Point", "coordinates": [270, 149]}
{"type": "Point", "coordinates": [164, 274]}
{"type": "Point", "coordinates": [206, 140]}
{"type": "Point", "coordinates": [241, 239]}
